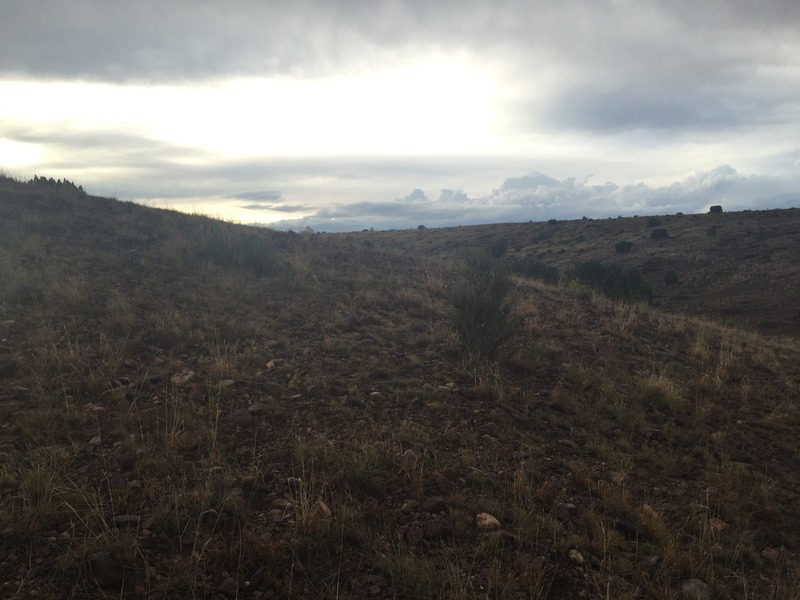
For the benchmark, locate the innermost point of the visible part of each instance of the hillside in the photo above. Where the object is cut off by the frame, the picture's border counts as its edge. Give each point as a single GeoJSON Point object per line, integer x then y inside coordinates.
{"type": "Point", "coordinates": [196, 409]}
{"type": "Point", "coordinates": [740, 269]}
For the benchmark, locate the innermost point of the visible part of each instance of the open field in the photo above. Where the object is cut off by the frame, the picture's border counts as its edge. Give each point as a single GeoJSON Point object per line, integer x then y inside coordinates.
{"type": "Point", "coordinates": [196, 409]}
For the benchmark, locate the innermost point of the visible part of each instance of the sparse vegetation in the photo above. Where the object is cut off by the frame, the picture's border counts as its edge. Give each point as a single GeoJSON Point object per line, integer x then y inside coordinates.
{"type": "Point", "coordinates": [176, 422]}
{"type": "Point", "coordinates": [480, 311]}
{"type": "Point", "coordinates": [612, 281]}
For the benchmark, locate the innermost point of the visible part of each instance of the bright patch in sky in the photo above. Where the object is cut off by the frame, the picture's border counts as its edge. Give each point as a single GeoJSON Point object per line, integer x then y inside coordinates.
{"type": "Point", "coordinates": [438, 107]}
{"type": "Point", "coordinates": [18, 154]}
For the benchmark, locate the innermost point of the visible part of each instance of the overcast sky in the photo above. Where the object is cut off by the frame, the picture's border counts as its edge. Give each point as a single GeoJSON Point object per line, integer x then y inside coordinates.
{"type": "Point", "coordinates": [349, 114]}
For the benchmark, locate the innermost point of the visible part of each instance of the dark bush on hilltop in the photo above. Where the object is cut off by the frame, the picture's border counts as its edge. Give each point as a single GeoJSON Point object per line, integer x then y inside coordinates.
{"type": "Point", "coordinates": [226, 246]}
{"type": "Point", "coordinates": [480, 312]}
{"type": "Point", "coordinates": [659, 234]}
{"type": "Point", "coordinates": [529, 267]}
{"type": "Point", "coordinates": [612, 281]}
{"type": "Point", "coordinates": [623, 247]}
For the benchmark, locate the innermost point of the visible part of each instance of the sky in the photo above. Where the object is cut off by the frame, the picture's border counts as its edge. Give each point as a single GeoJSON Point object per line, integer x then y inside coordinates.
{"type": "Point", "coordinates": [343, 115]}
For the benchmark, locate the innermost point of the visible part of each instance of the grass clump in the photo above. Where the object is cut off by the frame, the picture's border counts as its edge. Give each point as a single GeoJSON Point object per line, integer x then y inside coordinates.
{"type": "Point", "coordinates": [612, 281]}
{"type": "Point", "coordinates": [480, 311]}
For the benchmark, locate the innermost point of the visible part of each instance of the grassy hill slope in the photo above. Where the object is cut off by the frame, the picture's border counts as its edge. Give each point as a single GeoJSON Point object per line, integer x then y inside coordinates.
{"type": "Point", "coordinates": [192, 408]}
{"type": "Point", "coordinates": [740, 269]}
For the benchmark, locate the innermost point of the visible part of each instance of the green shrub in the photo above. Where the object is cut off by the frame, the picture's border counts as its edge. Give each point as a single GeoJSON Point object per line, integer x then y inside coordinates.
{"type": "Point", "coordinates": [659, 234]}
{"type": "Point", "coordinates": [653, 222]}
{"type": "Point", "coordinates": [529, 267]}
{"type": "Point", "coordinates": [222, 244]}
{"type": "Point", "coordinates": [480, 312]}
{"type": "Point", "coordinates": [612, 281]}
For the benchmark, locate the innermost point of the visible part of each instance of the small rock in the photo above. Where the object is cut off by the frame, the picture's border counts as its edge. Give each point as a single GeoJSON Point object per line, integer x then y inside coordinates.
{"type": "Point", "coordinates": [694, 589]}
{"type": "Point", "coordinates": [436, 504]}
{"type": "Point", "coordinates": [409, 506]}
{"type": "Point", "coordinates": [576, 557]}
{"type": "Point", "coordinates": [257, 409]}
{"type": "Point", "coordinates": [228, 587]}
{"type": "Point", "coordinates": [486, 522]}
{"type": "Point", "coordinates": [96, 441]}
{"type": "Point", "coordinates": [649, 512]}
{"type": "Point", "coordinates": [649, 563]}
{"type": "Point", "coordinates": [718, 525]}
{"type": "Point", "coordinates": [185, 377]}
{"type": "Point", "coordinates": [126, 520]}
{"type": "Point", "coordinates": [539, 563]}
{"type": "Point", "coordinates": [323, 509]}
{"type": "Point", "coordinates": [106, 570]}
{"type": "Point", "coordinates": [770, 554]}
{"type": "Point", "coordinates": [241, 418]}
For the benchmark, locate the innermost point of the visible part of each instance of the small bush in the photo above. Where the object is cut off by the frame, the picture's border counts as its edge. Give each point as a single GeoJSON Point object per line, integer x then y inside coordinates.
{"type": "Point", "coordinates": [612, 281]}
{"type": "Point", "coordinates": [499, 249]}
{"type": "Point", "coordinates": [653, 222]}
{"type": "Point", "coordinates": [659, 234]}
{"type": "Point", "coordinates": [534, 269]}
{"type": "Point", "coordinates": [671, 278]}
{"type": "Point", "coordinates": [623, 247]}
{"type": "Point", "coordinates": [480, 311]}
{"type": "Point", "coordinates": [219, 243]}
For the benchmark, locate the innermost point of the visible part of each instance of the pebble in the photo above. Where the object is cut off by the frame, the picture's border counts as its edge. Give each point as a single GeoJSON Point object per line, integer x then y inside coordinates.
{"type": "Point", "coordinates": [486, 522]}
{"type": "Point", "coordinates": [694, 589]}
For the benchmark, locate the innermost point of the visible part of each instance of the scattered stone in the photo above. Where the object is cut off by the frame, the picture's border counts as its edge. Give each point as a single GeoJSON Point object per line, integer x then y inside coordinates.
{"type": "Point", "coordinates": [184, 378]}
{"type": "Point", "coordinates": [576, 557]}
{"type": "Point", "coordinates": [650, 563]}
{"type": "Point", "coordinates": [228, 587]}
{"type": "Point", "coordinates": [126, 520]}
{"type": "Point", "coordinates": [226, 383]}
{"type": "Point", "coordinates": [436, 504]}
{"type": "Point", "coordinates": [257, 409]}
{"type": "Point", "coordinates": [96, 441]}
{"type": "Point", "coordinates": [649, 512]}
{"type": "Point", "coordinates": [323, 509]}
{"type": "Point", "coordinates": [409, 506]}
{"type": "Point", "coordinates": [486, 522]}
{"type": "Point", "coordinates": [241, 418]}
{"type": "Point", "coordinates": [718, 525]}
{"type": "Point", "coordinates": [694, 589]}
{"type": "Point", "coordinates": [770, 554]}
{"type": "Point", "coordinates": [106, 570]}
